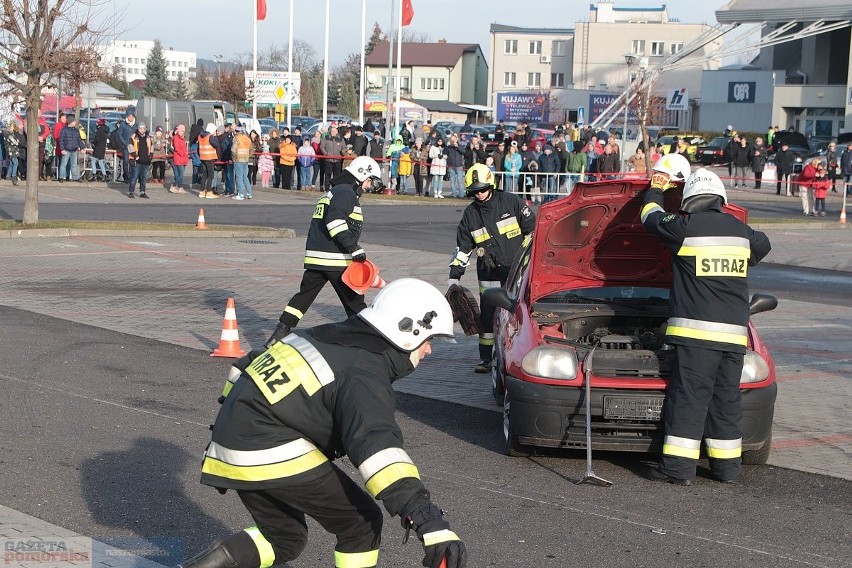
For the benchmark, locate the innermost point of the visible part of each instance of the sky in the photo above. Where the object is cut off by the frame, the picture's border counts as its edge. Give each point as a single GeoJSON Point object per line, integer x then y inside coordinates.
{"type": "Point", "coordinates": [211, 27]}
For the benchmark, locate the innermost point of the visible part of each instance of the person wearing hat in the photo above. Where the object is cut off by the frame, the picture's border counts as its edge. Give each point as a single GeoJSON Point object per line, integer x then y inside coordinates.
{"type": "Point", "coordinates": [125, 130]}
{"type": "Point", "coordinates": [846, 166]}
{"type": "Point", "coordinates": [208, 156]}
{"type": "Point", "coordinates": [99, 144]}
{"type": "Point", "coordinates": [784, 160]}
{"type": "Point", "coordinates": [158, 162]}
{"type": "Point", "coordinates": [289, 153]}
{"type": "Point", "coordinates": [359, 142]}
{"type": "Point", "coordinates": [141, 150]}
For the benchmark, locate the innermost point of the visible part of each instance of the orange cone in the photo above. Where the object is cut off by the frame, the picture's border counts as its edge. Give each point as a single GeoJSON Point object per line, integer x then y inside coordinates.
{"type": "Point", "coordinates": [360, 276]}
{"type": "Point", "coordinates": [201, 224]}
{"type": "Point", "coordinates": [843, 214]}
{"type": "Point", "coordinates": [229, 341]}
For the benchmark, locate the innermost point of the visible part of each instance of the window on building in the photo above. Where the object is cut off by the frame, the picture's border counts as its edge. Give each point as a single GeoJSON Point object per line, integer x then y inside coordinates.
{"type": "Point", "coordinates": [675, 47]}
{"type": "Point", "coordinates": [559, 48]}
{"type": "Point", "coordinates": [557, 80]}
{"type": "Point", "coordinates": [117, 60]}
{"type": "Point", "coordinates": [124, 60]}
{"type": "Point", "coordinates": [143, 61]}
{"type": "Point", "coordinates": [533, 79]}
{"type": "Point", "coordinates": [510, 47]}
{"type": "Point", "coordinates": [136, 60]}
{"type": "Point", "coordinates": [427, 83]}
{"type": "Point", "coordinates": [535, 47]}
{"type": "Point", "coordinates": [657, 48]}
{"type": "Point", "coordinates": [509, 79]}
{"type": "Point", "coordinates": [638, 47]}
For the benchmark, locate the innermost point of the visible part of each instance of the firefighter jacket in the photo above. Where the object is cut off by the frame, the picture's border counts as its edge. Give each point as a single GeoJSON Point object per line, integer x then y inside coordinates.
{"type": "Point", "coordinates": [711, 254]}
{"type": "Point", "coordinates": [316, 395]}
{"type": "Point", "coordinates": [335, 227]}
{"type": "Point", "coordinates": [491, 232]}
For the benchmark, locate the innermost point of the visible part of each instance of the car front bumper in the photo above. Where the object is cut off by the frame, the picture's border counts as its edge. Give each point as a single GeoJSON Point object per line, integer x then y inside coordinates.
{"type": "Point", "coordinates": [555, 417]}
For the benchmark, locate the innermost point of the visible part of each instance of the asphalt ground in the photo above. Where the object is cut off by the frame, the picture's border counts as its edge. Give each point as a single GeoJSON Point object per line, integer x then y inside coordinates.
{"type": "Point", "coordinates": [72, 413]}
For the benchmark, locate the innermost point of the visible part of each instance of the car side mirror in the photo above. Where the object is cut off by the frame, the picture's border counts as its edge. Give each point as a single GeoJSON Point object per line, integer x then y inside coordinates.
{"type": "Point", "coordinates": [762, 303]}
{"type": "Point", "coordinates": [499, 298]}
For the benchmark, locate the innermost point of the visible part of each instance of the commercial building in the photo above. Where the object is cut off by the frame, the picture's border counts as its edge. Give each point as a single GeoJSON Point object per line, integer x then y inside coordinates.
{"type": "Point", "coordinates": [132, 57]}
{"type": "Point", "coordinates": [583, 66]}
{"type": "Point", "coordinates": [802, 78]}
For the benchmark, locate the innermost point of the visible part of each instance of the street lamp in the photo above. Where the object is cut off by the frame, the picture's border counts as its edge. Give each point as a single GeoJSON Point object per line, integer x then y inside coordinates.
{"type": "Point", "coordinates": [630, 59]}
{"type": "Point", "coordinates": [219, 59]}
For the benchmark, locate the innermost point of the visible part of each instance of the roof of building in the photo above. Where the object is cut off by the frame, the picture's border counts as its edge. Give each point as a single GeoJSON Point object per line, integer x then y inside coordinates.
{"type": "Point", "coordinates": [500, 28]}
{"type": "Point", "coordinates": [753, 11]}
{"type": "Point", "coordinates": [441, 106]}
{"type": "Point", "coordinates": [422, 54]}
{"type": "Point", "coordinates": [626, 9]}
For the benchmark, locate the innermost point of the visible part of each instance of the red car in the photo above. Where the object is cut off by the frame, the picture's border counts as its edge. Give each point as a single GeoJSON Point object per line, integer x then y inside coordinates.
{"type": "Point", "coordinates": [591, 275]}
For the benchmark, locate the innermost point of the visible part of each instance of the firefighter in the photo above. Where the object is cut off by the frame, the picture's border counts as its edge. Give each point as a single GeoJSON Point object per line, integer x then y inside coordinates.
{"type": "Point", "coordinates": [492, 229]}
{"type": "Point", "coordinates": [316, 395]}
{"type": "Point", "coordinates": [332, 243]}
{"type": "Point", "coordinates": [709, 315]}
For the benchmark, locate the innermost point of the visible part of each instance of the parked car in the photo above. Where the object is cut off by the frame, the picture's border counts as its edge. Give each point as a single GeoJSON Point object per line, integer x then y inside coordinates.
{"type": "Point", "coordinates": [591, 276]}
{"type": "Point", "coordinates": [714, 152]}
{"type": "Point", "coordinates": [693, 141]}
{"type": "Point", "coordinates": [797, 143]}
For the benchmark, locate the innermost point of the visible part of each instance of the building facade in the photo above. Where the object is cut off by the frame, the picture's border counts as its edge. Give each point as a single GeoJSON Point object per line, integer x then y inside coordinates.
{"type": "Point", "coordinates": [811, 69]}
{"type": "Point", "coordinates": [132, 57]}
{"type": "Point", "coordinates": [441, 71]}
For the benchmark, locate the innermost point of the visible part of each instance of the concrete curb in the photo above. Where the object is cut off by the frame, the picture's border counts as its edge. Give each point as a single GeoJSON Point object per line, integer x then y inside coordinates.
{"type": "Point", "coordinates": [222, 234]}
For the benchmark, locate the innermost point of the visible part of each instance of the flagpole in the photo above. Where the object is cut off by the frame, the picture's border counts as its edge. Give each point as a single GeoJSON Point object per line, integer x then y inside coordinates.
{"type": "Point", "coordinates": [398, 67]}
{"type": "Point", "coordinates": [290, 74]}
{"type": "Point", "coordinates": [325, 70]}
{"type": "Point", "coordinates": [254, 67]}
{"type": "Point", "coordinates": [362, 83]}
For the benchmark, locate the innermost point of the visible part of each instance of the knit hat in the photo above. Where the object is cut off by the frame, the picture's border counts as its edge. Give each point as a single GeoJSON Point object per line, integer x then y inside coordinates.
{"type": "Point", "coordinates": [141, 125]}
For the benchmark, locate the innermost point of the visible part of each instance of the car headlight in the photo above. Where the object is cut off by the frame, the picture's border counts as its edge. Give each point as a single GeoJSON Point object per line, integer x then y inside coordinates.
{"type": "Point", "coordinates": [755, 369]}
{"type": "Point", "coordinates": [551, 363]}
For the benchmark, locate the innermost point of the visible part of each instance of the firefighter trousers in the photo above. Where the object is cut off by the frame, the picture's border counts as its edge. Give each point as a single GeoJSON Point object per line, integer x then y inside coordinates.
{"type": "Point", "coordinates": [703, 401]}
{"type": "Point", "coordinates": [494, 279]}
{"type": "Point", "coordinates": [334, 500]}
{"type": "Point", "coordinates": [312, 283]}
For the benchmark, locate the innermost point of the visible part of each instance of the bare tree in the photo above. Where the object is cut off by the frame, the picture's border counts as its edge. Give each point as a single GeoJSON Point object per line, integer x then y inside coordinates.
{"type": "Point", "coordinates": [79, 66]}
{"type": "Point", "coordinates": [33, 36]}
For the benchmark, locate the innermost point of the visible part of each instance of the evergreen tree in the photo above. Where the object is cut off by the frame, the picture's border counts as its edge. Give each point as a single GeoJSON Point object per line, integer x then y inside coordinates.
{"type": "Point", "coordinates": [348, 101]}
{"type": "Point", "coordinates": [375, 38]}
{"type": "Point", "coordinates": [179, 88]}
{"type": "Point", "coordinates": [156, 79]}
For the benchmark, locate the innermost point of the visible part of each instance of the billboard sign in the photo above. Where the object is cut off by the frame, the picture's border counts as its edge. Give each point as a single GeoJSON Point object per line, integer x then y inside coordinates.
{"type": "Point", "coordinates": [677, 99]}
{"type": "Point", "coordinates": [523, 106]}
{"type": "Point", "coordinates": [741, 91]}
{"type": "Point", "coordinates": [273, 88]}
{"type": "Point", "coordinates": [375, 102]}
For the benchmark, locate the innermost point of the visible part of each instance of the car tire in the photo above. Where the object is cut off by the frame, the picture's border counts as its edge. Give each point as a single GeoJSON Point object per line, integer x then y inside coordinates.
{"type": "Point", "coordinates": [511, 446]}
{"type": "Point", "coordinates": [759, 456]}
{"type": "Point", "coordinates": [497, 377]}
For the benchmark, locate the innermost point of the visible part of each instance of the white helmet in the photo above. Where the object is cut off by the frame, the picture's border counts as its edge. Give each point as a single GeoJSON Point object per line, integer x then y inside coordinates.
{"type": "Point", "coordinates": [409, 312]}
{"type": "Point", "coordinates": [364, 167]}
{"type": "Point", "coordinates": [704, 182]}
{"type": "Point", "coordinates": [211, 128]}
{"type": "Point", "coordinates": [675, 165]}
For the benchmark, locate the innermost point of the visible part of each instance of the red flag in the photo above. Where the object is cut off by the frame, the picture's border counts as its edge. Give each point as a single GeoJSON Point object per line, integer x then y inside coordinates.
{"type": "Point", "coordinates": [261, 10]}
{"type": "Point", "coordinates": [407, 12]}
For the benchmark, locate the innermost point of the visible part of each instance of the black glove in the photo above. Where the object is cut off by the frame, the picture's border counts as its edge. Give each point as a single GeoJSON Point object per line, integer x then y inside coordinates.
{"type": "Point", "coordinates": [358, 255]}
{"type": "Point", "coordinates": [439, 542]}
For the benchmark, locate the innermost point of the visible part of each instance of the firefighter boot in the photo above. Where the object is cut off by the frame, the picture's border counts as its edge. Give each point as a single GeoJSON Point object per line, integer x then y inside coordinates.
{"type": "Point", "coordinates": [217, 556]}
{"type": "Point", "coordinates": [281, 331]}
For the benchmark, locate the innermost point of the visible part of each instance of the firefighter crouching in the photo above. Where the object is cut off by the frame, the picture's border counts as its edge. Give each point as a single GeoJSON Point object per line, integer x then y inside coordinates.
{"type": "Point", "coordinates": [332, 244]}
{"type": "Point", "coordinates": [708, 327]}
{"type": "Point", "coordinates": [492, 230]}
{"type": "Point", "coordinates": [316, 395]}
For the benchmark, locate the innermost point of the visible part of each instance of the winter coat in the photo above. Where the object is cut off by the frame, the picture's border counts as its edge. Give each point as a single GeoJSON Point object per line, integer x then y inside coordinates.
{"type": "Point", "coordinates": [548, 163]}
{"type": "Point", "coordinates": [784, 161]}
{"type": "Point", "coordinates": [419, 157]}
{"type": "Point", "coordinates": [307, 156]}
{"type": "Point", "coordinates": [806, 178]}
{"type": "Point", "coordinates": [455, 156]}
{"type": "Point", "coordinates": [512, 164]}
{"type": "Point", "coordinates": [288, 154]}
{"type": "Point", "coordinates": [439, 160]}
{"type": "Point", "coordinates": [821, 186]}
{"type": "Point", "coordinates": [69, 139]}
{"type": "Point", "coordinates": [405, 165]}
{"type": "Point", "coordinates": [332, 148]}
{"type": "Point", "coordinates": [11, 140]}
{"type": "Point", "coordinates": [576, 163]}
{"type": "Point", "coordinates": [846, 163]}
{"type": "Point", "coordinates": [180, 152]}
{"type": "Point", "coordinates": [740, 156]}
{"type": "Point", "coordinates": [242, 148]}
{"type": "Point", "coordinates": [161, 147]}
{"type": "Point", "coordinates": [99, 142]}
{"type": "Point", "coordinates": [758, 161]}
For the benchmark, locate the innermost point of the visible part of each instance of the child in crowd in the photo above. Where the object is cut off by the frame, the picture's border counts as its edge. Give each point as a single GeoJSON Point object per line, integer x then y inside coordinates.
{"type": "Point", "coordinates": [822, 183]}
{"type": "Point", "coordinates": [265, 163]}
{"type": "Point", "coordinates": [405, 168]}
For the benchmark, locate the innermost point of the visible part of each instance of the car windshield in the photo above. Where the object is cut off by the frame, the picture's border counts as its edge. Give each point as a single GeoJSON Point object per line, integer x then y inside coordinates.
{"type": "Point", "coordinates": [721, 141]}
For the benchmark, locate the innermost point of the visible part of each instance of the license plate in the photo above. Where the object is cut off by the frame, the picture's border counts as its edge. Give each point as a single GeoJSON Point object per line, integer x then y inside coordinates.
{"type": "Point", "coordinates": [707, 152]}
{"type": "Point", "coordinates": [633, 408]}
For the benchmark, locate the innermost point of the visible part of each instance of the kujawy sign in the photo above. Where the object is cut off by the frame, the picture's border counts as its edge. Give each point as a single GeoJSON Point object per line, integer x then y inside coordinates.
{"type": "Point", "coordinates": [528, 107]}
{"type": "Point", "coordinates": [741, 91]}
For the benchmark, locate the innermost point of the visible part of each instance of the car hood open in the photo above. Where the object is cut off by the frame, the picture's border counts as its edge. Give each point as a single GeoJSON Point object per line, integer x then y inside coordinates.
{"type": "Point", "coordinates": [594, 238]}
{"type": "Point", "coordinates": [791, 138]}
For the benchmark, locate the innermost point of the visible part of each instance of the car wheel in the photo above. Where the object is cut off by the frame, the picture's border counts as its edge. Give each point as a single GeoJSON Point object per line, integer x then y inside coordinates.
{"type": "Point", "coordinates": [761, 455]}
{"type": "Point", "coordinates": [497, 372]}
{"type": "Point", "coordinates": [511, 446]}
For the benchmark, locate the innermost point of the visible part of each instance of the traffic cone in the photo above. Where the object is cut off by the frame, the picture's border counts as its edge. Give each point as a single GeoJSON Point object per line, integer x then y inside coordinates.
{"type": "Point", "coordinates": [229, 341]}
{"type": "Point", "coordinates": [201, 223]}
{"type": "Point", "coordinates": [360, 276]}
{"type": "Point", "coordinates": [843, 213]}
